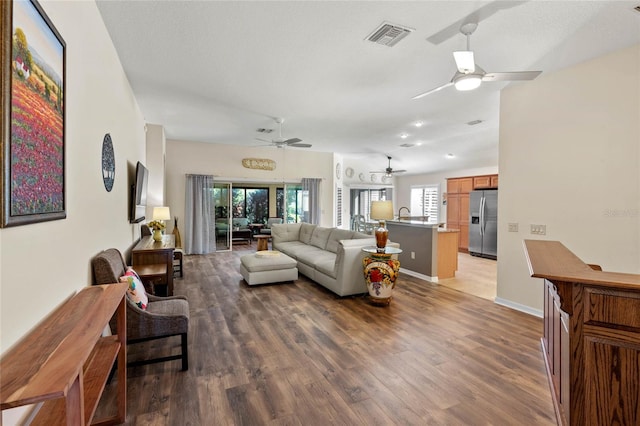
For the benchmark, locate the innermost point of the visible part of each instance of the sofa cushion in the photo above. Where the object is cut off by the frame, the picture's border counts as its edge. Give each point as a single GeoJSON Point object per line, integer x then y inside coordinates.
{"type": "Point", "coordinates": [335, 237]}
{"type": "Point", "coordinates": [320, 237]}
{"type": "Point", "coordinates": [315, 256]}
{"type": "Point", "coordinates": [306, 231]}
{"type": "Point", "coordinates": [285, 232]}
{"type": "Point", "coordinates": [327, 264]}
{"type": "Point", "coordinates": [255, 263]}
{"type": "Point", "coordinates": [291, 247]}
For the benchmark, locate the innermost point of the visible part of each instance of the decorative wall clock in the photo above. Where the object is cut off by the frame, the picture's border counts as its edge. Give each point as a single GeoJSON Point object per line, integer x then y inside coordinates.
{"type": "Point", "coordinates": [108, 163]}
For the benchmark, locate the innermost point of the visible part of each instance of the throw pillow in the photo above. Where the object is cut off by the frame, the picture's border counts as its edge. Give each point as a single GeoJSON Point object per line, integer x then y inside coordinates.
{"type": "Point", "coordinates": [136, 289]}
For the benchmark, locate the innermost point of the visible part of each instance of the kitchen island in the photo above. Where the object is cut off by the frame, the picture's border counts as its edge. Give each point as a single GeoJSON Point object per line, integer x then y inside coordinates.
{"type": "Point", "coordinates": [428, 252]}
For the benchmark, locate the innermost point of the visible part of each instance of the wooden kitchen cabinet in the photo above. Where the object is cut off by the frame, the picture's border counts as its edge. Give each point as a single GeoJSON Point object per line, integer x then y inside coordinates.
{"type": "Point", "coordinates": [460, 185]}
{"type": "Point", "coordinates": [591, 340]}
{"type": "Point", "coordinates": [485, 182]}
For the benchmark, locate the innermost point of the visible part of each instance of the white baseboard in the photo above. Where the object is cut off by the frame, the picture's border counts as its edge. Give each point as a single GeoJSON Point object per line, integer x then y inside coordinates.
{"type": "Point", "coordinates": [518, 307]}
{"type": "Point", "coordinates": [420, 276]}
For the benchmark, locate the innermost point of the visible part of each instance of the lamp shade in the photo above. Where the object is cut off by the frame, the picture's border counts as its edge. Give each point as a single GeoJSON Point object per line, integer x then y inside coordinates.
{"type": "Point", "coordinates": [381, 210]}
{"type": "Point", "coordinates": [161, 213]}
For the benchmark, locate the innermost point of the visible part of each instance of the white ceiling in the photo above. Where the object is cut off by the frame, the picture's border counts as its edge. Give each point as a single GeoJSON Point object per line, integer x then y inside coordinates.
{"type": "Point", "coordinates": [215, 71]}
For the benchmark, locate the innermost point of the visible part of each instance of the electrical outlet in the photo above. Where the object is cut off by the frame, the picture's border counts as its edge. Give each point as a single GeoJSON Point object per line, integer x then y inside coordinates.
{"type": "Point", "coordinates": [513, 227]}
{"type": "Point", "coordinates": [539, 229]}
{"type": "Point", "coordinates": [413, 255]}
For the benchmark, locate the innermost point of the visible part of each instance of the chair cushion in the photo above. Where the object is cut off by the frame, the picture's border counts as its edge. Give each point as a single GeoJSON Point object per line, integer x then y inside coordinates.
{"type": "Point", "coordinates": [136, 290]}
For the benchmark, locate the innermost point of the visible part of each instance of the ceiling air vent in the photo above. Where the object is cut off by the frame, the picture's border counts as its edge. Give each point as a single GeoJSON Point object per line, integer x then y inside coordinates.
{"type": "Point", "coordinates": [474, 122]}
{"type": "Point", "coordinates": [407, 145]}
{"type": "Point", "coordinates": [261, 130]}
{"type": "Point", "coordinates": [389, 34]}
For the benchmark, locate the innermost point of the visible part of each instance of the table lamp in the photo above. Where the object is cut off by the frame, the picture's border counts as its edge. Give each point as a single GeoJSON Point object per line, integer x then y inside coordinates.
{"type": "Point", "coordinates": [161, 214]}
{"type": "Point", "coordinates": [381, 211]}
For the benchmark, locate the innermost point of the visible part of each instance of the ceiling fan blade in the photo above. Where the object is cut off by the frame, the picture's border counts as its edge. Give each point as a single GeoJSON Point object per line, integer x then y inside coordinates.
{"type": "Point", "coordinates": [437, 89]}
{"type": "Point", "coordinates": [398, 171]}
{"type": "Point", "coordinates": [300, 145]}
{"type": "Point", "coordinates": [465, 61]}
{"type": "Point", "coordinates": [292, 140]}
{"type": "Point", "coordinates": [511, 76]}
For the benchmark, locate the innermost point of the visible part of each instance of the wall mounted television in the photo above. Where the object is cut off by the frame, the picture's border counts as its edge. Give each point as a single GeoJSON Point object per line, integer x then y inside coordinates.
{"type": "Point", "coordinates": [139, 194]}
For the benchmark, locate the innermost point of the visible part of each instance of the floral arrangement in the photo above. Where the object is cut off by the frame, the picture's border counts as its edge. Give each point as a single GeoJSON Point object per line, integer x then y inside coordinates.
{"type": "Point", "coordinates": [156, 225]}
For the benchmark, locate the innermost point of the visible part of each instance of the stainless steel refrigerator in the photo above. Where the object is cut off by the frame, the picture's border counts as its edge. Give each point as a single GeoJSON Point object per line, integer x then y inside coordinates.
{"type": "Point", "coordinates": [483, 223]}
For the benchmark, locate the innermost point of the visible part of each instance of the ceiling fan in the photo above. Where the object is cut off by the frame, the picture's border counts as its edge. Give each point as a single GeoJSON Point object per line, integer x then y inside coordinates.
{"type": "Point", "coordinates": [388, 171]}
{"type": "Point", "coordinates": [280, 142]}
{"type": "Point", "coordinates": [469, 75]}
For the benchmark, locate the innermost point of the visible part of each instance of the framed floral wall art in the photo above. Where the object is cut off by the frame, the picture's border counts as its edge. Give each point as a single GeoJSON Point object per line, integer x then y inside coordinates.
{"type": "Point", "coordinates": [33, 58]}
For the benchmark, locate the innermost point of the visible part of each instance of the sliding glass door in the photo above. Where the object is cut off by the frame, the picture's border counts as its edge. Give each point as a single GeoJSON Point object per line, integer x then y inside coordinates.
{"type": "Point", "coordinates": [222, 212]}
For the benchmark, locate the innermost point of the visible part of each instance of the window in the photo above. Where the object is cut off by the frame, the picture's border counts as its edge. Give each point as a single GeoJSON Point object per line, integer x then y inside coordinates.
{"type": "Point", "coordinates": [424, 201]}
{"type": "Point", "coordinates": [252, 203]}
{"type": "Point", "coordinates": [293, 203]}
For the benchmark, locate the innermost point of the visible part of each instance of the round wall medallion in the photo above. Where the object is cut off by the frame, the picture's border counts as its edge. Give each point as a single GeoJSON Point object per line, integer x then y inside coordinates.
{"type": "Point", "coordinates": [108, 163]}
{"type": "Point", "coordinates": [374, 178]}
{"type": "Point", "coordinates": [361, 177]}
{"type": "Point", "coordinates": [338, 171]}
{"type": "Point", "coordinates": [348, 172]}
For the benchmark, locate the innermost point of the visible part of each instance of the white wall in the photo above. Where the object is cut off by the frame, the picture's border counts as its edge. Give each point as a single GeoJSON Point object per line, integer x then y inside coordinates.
{"type": "Point", "coordinates": [155, 155]}
{"type": "Point", "coordinates": [570, 160]}
{"type": "Point", "coordinates": [42, 264]}
{"type": "Point", "coordinates": [225, 162]}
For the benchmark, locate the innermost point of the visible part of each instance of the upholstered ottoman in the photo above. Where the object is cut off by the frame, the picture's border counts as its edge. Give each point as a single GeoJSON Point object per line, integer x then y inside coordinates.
{"type": "Point", "coordinates": [268, 267]}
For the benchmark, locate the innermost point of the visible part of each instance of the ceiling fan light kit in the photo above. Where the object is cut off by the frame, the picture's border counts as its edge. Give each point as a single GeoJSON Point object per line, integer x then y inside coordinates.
{"type": "Point", "coordinates": [469, 76]}
{"type": "Point", "coordinates": [467, 82]}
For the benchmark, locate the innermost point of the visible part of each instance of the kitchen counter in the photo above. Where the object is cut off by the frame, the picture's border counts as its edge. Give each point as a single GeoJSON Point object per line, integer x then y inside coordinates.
{"type": "Point", "coordinates": [429, 252]}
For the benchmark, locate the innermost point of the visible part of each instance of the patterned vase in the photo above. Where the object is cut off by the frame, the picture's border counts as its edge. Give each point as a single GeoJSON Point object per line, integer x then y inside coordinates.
{"type": "Point", "coordinates": [380, 273]}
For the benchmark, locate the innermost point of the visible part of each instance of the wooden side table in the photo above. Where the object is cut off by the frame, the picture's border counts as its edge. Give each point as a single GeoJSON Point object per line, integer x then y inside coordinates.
{"type": "Point", "coordinates": [263, 241]}
{"type": "Point", "coordinates": [380, 273]}
{"type": "Point", "coordinates": [153, 261]}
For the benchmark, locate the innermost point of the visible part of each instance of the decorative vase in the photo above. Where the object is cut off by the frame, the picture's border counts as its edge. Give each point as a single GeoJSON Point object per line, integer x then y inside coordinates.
{"type": "Point", "coordinates": [157, 235]}
{"type": "Point", "coordinates": [380, 273]}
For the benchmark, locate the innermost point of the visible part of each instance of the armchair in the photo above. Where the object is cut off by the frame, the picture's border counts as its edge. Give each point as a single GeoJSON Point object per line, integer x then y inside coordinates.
{"type": "Point", "coordinates": [164, 316]}
{"type": "Point", "coordinates": [271, 221]}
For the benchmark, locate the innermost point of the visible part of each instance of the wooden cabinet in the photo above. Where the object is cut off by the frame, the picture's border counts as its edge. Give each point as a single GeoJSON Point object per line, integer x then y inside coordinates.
{"type": "Point", "coordinates": [460, 185]}
{"type": "Point", "coordinates": [64, 362]}
{"type": "Point", "coordinates": [153, 261]}
{"type": "Point", "coordinates": [591, 341]}
{"type": "Point", "coordinates": [485, 182]}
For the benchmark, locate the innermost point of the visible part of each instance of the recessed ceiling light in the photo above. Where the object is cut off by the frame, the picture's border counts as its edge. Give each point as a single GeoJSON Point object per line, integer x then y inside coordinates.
{"type": "Point", "coordinates": [450, 155]}
{"type": "Point", "coordinates": [404, 135]}
{"type": "Point", "coordinates": [418, 123]}
{"type": "Point", "coordinates": [418, 143]}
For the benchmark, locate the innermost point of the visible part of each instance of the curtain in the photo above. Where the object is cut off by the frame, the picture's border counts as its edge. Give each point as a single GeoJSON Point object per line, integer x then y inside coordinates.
{"type": "Point", "coordinates": [200, 235]}
{"type": "Point", "coordinates": [312, 187]}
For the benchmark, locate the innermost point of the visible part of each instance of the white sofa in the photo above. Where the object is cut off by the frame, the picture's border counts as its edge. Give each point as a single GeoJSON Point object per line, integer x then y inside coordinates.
{"type": "Point", "coordinates": [331, 257]}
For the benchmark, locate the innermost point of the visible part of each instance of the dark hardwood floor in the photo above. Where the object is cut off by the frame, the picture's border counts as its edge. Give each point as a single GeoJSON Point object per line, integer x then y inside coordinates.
{"type": "Point", "coordinates": [295, 354]}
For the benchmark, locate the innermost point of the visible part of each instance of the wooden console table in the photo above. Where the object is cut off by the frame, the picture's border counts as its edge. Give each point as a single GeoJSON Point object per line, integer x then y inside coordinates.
{"type": "Point", "coordinates": [591, 340]}
{"type": "Point", "coordinates": [64, 362]}
{"type": "Point", "coordinates": [153, 261]}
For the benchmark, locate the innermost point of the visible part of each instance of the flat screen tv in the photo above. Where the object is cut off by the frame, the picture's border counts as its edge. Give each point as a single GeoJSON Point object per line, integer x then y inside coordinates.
{"type": "Point", "coordinates": [139, 194]}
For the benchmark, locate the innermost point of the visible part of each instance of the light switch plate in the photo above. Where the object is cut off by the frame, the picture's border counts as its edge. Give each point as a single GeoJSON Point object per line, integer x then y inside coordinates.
{"type": "Point", "coordinates": [513, 227]}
